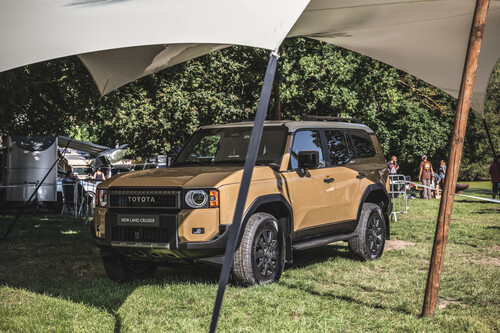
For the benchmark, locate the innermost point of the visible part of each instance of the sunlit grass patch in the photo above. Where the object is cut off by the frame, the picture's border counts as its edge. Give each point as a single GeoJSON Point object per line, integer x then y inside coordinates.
{"type": "Point", "coordinates": [69, 232]}
{"type": "Point", "coordinates": [24, 311]}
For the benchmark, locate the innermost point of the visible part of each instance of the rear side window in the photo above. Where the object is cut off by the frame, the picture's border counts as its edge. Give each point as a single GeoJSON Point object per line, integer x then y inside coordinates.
{"type": "Point", "coordinates": [363, 143]}
{"type": "Point", "coordinates": [337, 146]}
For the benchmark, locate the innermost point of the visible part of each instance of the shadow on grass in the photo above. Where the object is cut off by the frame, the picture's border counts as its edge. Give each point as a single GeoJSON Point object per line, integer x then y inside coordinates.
{"type": "Point", "coordinates": [485, 212]}
{"type": "Point", "coordinates": [54, 255]}
{"type": "Point", "coordinates": [349, 299]}
{"type": "Point", "coordinates": [317, 255]}
{"type": "Point", "coordinates": [475, 190]}
{"type": "Point", "coordinates": [484, 202]}
{"type": "Point", "coordinates": [323, 254]}
{"type": "Point", "coordinates": [494, 227]}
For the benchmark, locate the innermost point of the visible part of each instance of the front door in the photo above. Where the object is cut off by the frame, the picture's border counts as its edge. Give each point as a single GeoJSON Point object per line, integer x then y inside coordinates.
{"type": "Point", "coordinates": [311, 195]}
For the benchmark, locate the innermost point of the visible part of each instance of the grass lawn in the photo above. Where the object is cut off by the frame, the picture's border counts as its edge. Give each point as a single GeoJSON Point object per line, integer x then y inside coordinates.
{"type": "Point", "coordinates": [51, 279]}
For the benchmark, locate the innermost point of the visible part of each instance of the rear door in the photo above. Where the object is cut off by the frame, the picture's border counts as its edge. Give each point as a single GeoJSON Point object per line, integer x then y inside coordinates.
{"type": "Point", "coordinates": [346, 184]}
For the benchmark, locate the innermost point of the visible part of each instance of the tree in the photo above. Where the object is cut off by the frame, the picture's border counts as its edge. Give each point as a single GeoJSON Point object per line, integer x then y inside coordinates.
{"type": "Point", "coordinates": [47, 98]}
{"type": "Point", "coordinates": [478, 154]}
{"type": "Point", "coordinates": [409, 116]}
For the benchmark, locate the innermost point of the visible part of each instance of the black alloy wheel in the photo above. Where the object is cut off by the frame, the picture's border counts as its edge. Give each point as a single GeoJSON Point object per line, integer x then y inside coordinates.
{"type": "Point", "coordinates": [266, 252]}
{"type": "Point", "coordinates": [260, 257]}
{"type": "Point", "coordinates": [374, 234]}
{"type": "Point", "coordinates": [370, 240]}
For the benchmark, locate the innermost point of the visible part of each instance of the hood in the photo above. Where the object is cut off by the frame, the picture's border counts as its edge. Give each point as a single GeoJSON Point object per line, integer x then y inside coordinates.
{"type": "Point", "coordinates": [187, 177]}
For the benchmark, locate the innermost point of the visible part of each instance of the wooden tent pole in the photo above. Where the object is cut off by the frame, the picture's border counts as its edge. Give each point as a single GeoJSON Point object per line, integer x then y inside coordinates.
{"type": "Point", "coordinates": [455, 154]}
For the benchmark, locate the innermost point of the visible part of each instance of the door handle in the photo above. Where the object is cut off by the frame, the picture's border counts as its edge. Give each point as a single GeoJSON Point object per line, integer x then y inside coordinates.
{"type": "Point", "coordinates": [361, 175]}
{"type": "Point", "coordinates": [328, 180]}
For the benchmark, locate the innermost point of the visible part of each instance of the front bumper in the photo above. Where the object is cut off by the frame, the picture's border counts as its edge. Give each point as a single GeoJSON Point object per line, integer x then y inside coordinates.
{"type": "Point", "coordinates": [160, 243]}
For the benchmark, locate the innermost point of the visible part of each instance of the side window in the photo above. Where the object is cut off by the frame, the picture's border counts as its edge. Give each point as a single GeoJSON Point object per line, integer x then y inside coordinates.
{"type": "Point", "coordinates": [363, 144]}
{"type": "Point", "coordinates": [306, 140]}
{"type": "Point", "coordinates": [337, 146]}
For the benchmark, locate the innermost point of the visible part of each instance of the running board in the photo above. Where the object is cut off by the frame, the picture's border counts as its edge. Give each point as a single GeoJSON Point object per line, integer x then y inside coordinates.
{"type": "Point", "coordinates": [215, 260]}
{"type": "Point", "coordinates": [306, 244]}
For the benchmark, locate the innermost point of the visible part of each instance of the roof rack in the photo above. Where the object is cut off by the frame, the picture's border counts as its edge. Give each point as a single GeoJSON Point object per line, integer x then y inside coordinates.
{"type": "Point", "coordinates": [326, 118]}
{"type": "Point", "coordinates": [240, 120]}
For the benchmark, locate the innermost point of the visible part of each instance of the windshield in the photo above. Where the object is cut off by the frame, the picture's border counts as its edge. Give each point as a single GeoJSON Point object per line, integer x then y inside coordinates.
{"type": "Point", "coordinates": [82, 171]}
{"type": "Point", "coordinates": [229, 146]}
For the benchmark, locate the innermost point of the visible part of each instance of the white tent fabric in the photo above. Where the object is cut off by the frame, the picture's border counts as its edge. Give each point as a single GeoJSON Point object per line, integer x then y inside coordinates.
{"type": "Point", "coordinates": [122, 40]}
{"type": "Point", "coordinates": [88, 147]}
{"type": "Point", "coordinates": [32, 30]}
{"type": "Point", "coordinates": [425, 38]}
{"type": "Point", "coordinates": [114, 68]}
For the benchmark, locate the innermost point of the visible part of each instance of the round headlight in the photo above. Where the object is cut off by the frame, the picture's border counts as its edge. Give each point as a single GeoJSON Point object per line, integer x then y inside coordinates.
{"type": "Point", "coordinates": [196, 198]}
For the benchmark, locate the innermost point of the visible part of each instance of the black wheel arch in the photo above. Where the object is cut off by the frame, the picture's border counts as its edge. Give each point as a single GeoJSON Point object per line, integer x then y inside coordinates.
{"type": "Point", "coordinates": [377, 194]}
{"type": "Point", "coordinates": [278, 206]}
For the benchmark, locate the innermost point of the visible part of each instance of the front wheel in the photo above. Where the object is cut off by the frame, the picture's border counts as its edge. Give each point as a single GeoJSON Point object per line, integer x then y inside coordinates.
{"type": "Point", "coordinates": [260, 256]}
{"type": "Point", "coordinates": [121, 269]}
{"type": "Point", "coordinates": [370, 241]}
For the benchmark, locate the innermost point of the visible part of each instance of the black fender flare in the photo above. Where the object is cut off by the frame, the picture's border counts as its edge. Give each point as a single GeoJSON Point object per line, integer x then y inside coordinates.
{"type": "Point", "coordinates": [385, 210]}
{"type": "Point", "coordinates": [286, 226]}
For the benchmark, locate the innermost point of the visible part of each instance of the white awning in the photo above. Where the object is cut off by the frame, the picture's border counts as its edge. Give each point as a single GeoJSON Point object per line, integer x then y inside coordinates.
{"type": "Point", "coordinates": [425, 38]}
{"type": "Point", "coordinates": [88, 147]}
{"type": "Point", "coordinates": [120, 41]}
{"type": "Point", "coordinates": [32, 31]}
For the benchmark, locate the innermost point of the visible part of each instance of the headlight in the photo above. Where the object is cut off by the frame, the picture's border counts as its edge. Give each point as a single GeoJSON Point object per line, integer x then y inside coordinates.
{"type": "Point", "coordinates": [208, 198]}
{"type": "Point", "coordinates": [196, 198]}
{"type": "Point", "coordinates": [102, 198]}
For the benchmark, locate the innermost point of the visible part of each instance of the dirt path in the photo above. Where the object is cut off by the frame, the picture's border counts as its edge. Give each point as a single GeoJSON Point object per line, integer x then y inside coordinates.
{"type": "Point", "coordinates": [396, 244]}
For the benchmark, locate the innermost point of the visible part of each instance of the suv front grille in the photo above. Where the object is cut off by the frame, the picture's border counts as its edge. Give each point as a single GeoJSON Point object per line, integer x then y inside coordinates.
{"type": "Point", "coordinates": [139, 234]}
{"type": "Point", "coordinates": [144, 198]}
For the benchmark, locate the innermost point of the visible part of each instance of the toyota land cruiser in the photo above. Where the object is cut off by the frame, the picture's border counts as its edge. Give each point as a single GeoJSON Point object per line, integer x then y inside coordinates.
{"type": "Point", "coordinates": [315, 182]}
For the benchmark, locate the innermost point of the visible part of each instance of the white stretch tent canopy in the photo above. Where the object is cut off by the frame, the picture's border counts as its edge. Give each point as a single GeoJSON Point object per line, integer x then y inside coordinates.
{"type": "Point", "coordinates": [168, 31]}
{"type": "Point", "coordinates": [120, 41]}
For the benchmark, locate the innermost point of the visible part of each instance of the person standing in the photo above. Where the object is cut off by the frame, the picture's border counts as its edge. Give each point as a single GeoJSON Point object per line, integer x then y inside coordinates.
{"type": "Point", "coordinates": [425, 176]}
{"type": "Point", "coordinates": [99, 175]}
{"type": "Point", "coordinates": [495, 176]}
{"type": "Point", "coordinates": [442, 171]}
{"type": "Point", "coordinates": [393, 165]}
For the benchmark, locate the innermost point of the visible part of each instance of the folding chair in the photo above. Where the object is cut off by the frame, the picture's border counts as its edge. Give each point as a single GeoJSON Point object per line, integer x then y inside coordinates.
{"type": "Point", "coordinates": [70, 203]}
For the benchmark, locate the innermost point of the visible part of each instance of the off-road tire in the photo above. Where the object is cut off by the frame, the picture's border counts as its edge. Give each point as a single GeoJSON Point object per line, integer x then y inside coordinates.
{"type": "Point", "coordinates": [260, 256]}
{"type": "Point", "coordinates": [121, 269]}
{"type": "Point", "coordinates": [370, 241]}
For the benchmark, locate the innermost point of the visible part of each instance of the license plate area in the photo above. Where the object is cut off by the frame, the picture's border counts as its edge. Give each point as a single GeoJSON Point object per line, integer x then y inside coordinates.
{"type": "Point", "coordinates": [139, 220]}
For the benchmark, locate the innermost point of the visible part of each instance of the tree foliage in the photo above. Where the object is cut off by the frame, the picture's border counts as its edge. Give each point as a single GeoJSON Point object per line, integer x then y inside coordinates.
{"type": "Point", "coordinates": [410, 117]}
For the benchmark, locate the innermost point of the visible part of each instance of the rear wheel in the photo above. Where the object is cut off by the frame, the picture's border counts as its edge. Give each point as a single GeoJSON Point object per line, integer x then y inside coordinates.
{"type": "Point", "coordinates": [260, 256]}
{"type": "Point", "coordinates": [122, 269]}
{"type": "Point", "coordinates": [370, 241]}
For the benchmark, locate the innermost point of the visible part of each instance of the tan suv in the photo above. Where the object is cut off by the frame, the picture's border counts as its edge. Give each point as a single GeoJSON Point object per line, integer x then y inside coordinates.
{"type": "Point", "coordinates": [314, 183]}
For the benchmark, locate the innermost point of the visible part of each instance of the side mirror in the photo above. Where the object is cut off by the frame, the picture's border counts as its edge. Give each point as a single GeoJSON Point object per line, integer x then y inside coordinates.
{"type": "Point", "coordinates": [308, 159]}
